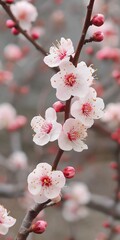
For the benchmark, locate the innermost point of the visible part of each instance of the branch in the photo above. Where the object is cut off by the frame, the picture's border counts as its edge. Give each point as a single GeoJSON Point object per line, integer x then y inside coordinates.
{"type": "Point", "coordinates": [29, 217]}
{"type": "Point", "coordinates": [23, 32]}
{"type": "Point", "coordinates": [104, 205]}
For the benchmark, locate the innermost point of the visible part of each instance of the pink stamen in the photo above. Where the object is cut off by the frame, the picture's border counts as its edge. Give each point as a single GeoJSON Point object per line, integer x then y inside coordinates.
{"type": "Point", "coordinates": [46, 181]}
{"type": "Point", "coordinates": [70, 79]}
{"type": "Point", "coordinates": [86, 109]}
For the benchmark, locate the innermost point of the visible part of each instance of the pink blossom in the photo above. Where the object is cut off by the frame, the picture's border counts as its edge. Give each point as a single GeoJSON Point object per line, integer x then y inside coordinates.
{"type": "Point", "coordinates": [5, 221]}
{"type": "Point", "coordinates": [44, 183]}
{"type": "Point", "coordinates": [7, 115]}
{"type": "Point", "coordinates": [108, 53]}
{"type": "Point", "coordinates": [18, 160]}
{"type": "Point", "coordinates": [46, 129]}
{"type": "Point", "coordinates": [25, 13]}
{"type": "Point", "coordinates": [74, 208]}
{"type": "Point", "coordinates": [58, 54]}
{"type": "Point", "coordinates": [72, 136]}
{"type": "Point", "coordinates": [88, 108]}
{"type": "Point", "coordinates": [112, 114]}
{"type": "Point", "coordinates": [12, 52]}
{"type": "Point", "coordinates": [71, 80]}
{"type": "Point", "coordinates": [5, 77]}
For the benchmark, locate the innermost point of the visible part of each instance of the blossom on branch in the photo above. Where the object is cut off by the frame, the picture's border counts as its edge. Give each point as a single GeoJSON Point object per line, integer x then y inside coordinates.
{"type": "Point", "coordinates": [71, 80]}
{"type": "Point", "coordinates": [5, 221]}
{"type": "Point", "coordinates": [60, 53]}
{"type": "Point", "coordinates": [46, 129]}
{"type": "Point", "coordinates": [78, 196]}
{"type": "Point", "coordinates": [25, 13]}
{"type": "Point", "coordinates": [88, 108]}
{"type": "Point", "coordinates": [44, 183]}
{"type": "Point", "coordinates": [72, 136]}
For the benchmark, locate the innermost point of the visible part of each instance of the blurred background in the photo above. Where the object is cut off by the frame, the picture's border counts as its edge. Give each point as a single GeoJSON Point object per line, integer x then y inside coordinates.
{"type": "Point", "coordinates": [25, 84]}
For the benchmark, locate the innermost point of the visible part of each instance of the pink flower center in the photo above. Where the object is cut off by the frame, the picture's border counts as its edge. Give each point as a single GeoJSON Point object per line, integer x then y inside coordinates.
{"type": "Point", "coordinates": [70, 79]}
{"type": "Point", "coordinates": [46, 181]}
{"type": "Point", "coordinates": [47, 127]}
{"type": "Point", "coordinates": [22, 15]}
{"type": "Point", "coordinates": [62, 55]}
{"type": "Point", "coordinates": [86, 109]}
{"type": "Point", "coordinates": [73, 135]}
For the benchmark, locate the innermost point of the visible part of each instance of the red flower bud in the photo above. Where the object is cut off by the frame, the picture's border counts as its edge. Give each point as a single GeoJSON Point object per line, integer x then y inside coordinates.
{"type": "Point", "coordinates": [98, 20]}
{"type": "Point", "coordinates": [39, 227]}
{"type": "Point", "coordinates": [59, 106]}
{"type": "Point", "coordinates": [98, 36]}
{"type": "Point", "coordinates": [35, 35]}
{"type": "Point", "coordinates": [19, 123]}
{"type": "Point", "coordinates": [9, 1]}
{"type": "Point", "coordinates": [69, 172]}
{"type": "Point", "coordinates": [10, 23]}
{"type": "Point", "coordinates": [15, 31]}
{"type": "Point", "coordinates": [106, 224]}
{"type": "Point", "coordinates": [113, 165]}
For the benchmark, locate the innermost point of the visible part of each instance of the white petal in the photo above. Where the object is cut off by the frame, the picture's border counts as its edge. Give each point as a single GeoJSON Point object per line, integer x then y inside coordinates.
{"type": "Point", "coordinates": [44, 168]}
{"type": "Point", "coordinates": [40, 198]}
{"type": "Point", "coordinates": [55, 131]}
{"type": "Point", "coordinates": [79, 145]}
{"type": "Point", "coordinates": [63, 93]}
{"type": "Point", "coordinates": [52, 192]}
{"type": "Point", "coordinates": [52, 60]}
{"type": "Point", "coordinates": [3, 229]}
{"type": "Point", "coordinates": [50, 115]}
{"type": "Point", "coordinates": [64, 142]}
{"type": "Point", "coordinates": [58, 179]}
{"type": "Point", "coordinates": [41, 140]}
{"type": "Point", "coordinates": [9, 221]}
{"type": "Point", "coordinates": [36, 123]}
{"type": "Point", "coordinates": [56, 80]}
{"type": "Point", "coordinates": [34, 184]}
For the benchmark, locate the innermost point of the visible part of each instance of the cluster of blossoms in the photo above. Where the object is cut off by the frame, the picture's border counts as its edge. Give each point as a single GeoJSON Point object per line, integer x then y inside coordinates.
{"type": "Point", "coordinates": [71, 82]}
{"type": "Point", "coordinates": [5, 221]}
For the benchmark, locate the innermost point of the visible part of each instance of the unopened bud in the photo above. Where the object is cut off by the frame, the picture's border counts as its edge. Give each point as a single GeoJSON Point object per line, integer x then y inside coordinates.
{"type": "Point", "coordinates": [35, 35]}
{"type": "Point", "coordinates": [69, 172]}
{"type": "Point", "coordinates": [106, 224]}
{"type": "Point", "coordinates": [39, 227]}
{"type": "Point", "coordinates": [114, 165]}
{"type": "Point", "coordinates": [15, 31]}
{"type": "Point", "coordinates": [9, 1]}
{"type": "Point", "coordinates": [59, 106]}
{"type": "Point", "coordinates": [10, 23]}
{"type": "Point", "coordinates": [98, 36]}
{"type": "Point", "coordinates": [98, 20]}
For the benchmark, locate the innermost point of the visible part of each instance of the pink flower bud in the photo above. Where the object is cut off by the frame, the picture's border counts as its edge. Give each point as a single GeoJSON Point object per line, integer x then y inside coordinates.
{"type": "Point", "coordinates": [98, 36]}
{"type": "Point", "coordinates": [89, 50]}
{"type": "Point", "coordinates": [35, 35]}
{"type": "Point", "coordinates": [69, 172]}
{"type": "Point", "coordinates": [59, 106]}
{"type": "Point", "coordinates": [10, 23]}
{"type": "Point", "coordinates": [9, 1]}
{"type": "Point", "coordinates": [98, 20]}
{"type": "Point", "coordinates": [106, 224]}
{"type": "Point", "coordinates": [18, 123]}
{"type": "Point", "coordinates": [114, 165]}
{"type": "Point", "coordinates": [15, 31]}
{"type": "Point", "coordinates": [39, 227]}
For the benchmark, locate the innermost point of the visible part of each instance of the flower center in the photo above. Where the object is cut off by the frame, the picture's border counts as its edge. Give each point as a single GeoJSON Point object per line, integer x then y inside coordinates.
{"type": "Point", "coordinates": [73, 135]}
{"type": "Point", "coordinates": [62, 55]}
{"type": "Point", "coordinates": [47, 127]}
{"type": "Point", "coordinates": [22, 15]}
{"type": "Point", "coordinates": [70, 79]}
{"type": "Point", "coordinates": [86, 109]}
{"type": "Point", "coordinates": [46, 181]}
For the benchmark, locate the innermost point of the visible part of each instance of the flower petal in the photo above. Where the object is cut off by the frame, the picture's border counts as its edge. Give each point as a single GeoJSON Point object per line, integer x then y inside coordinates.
{"type": "Point", "coordinates": [50, 115]}
{"type": "Point", "coordinates": [41, 140]}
